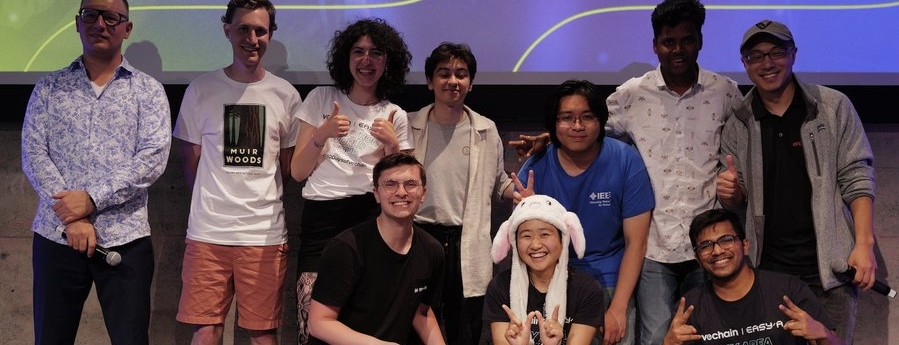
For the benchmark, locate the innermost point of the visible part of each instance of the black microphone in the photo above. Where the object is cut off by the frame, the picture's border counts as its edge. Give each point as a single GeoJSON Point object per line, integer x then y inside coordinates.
{"type": "Point", "coordinates": [846, 273]}
{"type": "Point", "coordinates": [113, 258]}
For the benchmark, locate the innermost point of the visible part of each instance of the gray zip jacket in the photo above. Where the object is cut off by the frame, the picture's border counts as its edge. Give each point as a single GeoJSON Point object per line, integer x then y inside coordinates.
{"type": "Point", "coordinates": [839, 163]}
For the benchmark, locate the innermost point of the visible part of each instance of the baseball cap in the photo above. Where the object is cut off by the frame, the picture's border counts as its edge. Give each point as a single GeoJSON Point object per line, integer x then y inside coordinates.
{"type": "Point", "coordinates": [767, 27]}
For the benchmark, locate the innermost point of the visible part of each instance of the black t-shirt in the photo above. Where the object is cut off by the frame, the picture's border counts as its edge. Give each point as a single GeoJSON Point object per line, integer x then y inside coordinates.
{"type": "Point", "coordinates": [754, 319]}
{"type": "Point", "coordinates": [789, 244]}
{"type": "Point", "coordinates": [378, 290]}
{"type": "Point", "coordinates": [585, 304]}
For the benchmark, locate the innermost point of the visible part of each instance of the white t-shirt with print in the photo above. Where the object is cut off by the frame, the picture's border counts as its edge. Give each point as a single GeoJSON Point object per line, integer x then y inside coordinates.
{"type": "Point", "coordinates": [346, 163]}
{"type": "Point", "coordinates": [241, 128]}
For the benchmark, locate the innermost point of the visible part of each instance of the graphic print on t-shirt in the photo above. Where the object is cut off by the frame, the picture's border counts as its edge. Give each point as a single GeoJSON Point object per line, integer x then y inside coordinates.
{"type": "Point", "coordinates": [244, 134]}
{"type": "Point", "coordinates": [353, 145]}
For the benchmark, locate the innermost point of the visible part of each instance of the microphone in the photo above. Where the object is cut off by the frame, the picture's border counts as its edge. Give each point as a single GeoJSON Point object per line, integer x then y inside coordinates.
{"type": "Point", "coordinates": [113, 258]}
{"type": "Point", "coordinates": [846, 273]}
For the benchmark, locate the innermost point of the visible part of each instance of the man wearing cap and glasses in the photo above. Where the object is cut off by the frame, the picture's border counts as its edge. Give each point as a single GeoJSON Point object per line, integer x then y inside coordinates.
{"type": "Point", "coordinates": [785, 140]}
{"type": "Point", "coordinates": [95, 137]}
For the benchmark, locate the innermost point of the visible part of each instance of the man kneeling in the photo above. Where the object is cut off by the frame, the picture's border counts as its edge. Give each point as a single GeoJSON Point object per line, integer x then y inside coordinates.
{"type": "Point", "coordinates": [740, 304]}
{"type": "Point", "coordinates": [381, 277]}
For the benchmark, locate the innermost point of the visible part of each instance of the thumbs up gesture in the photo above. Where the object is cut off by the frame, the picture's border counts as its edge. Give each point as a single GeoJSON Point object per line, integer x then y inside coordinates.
{"type": "Point", "coordinates": [384, 132]}
{"type": "Point", "coordinates": [335, 126]}
{"type": "Point", "coordinates": [728, 185]}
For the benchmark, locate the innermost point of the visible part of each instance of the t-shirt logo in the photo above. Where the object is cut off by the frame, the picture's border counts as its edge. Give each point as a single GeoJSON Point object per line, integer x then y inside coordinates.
{"type": "Point", "coordinates": [244, 134]}
{"type": "Point", "coordinates": [601, 199]}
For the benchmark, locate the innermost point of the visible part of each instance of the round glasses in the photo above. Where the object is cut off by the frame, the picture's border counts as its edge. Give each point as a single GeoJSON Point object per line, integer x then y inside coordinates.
{"type": "Point", "coordinates": [373, 54]}
{"type": "Point", "coordinates": [391, 186]}
{"type": "Point", "coordinates": [110, 18]}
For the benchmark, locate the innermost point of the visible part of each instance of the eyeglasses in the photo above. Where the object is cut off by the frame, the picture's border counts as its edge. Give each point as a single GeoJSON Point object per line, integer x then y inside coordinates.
{"type": "Point", "coordinates": [707, 247]}
{"type": "Point", "coordinates": [374, 54]}
{"type": "Point", "coordinates": [585, 120]}
{"type": "Point", "coordinates": [775, 54]}
{"type": "Point", "coordinates": [110, 18]}
{"type": "Point", "coordinates": [391, 186]}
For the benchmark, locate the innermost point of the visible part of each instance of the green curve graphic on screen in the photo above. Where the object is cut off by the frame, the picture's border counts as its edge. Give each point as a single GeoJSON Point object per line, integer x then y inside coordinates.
{"type": "Point", "coordinates": [69, 26]}
{"type": "Point", "coordinates": [618, 9]}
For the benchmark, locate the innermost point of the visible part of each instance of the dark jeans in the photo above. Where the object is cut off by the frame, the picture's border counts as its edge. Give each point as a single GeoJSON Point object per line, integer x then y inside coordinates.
{"type": "Point", "coordinates": [459, 317]}
{"type": "Point", "coordinates": [62, 282]}
{"type": "Point", "coordinates": [839, 305]}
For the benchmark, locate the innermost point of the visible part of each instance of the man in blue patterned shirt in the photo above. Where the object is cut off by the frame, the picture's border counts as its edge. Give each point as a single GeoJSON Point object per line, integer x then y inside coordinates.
{"type": "Point", "coordinates": [95, 137]}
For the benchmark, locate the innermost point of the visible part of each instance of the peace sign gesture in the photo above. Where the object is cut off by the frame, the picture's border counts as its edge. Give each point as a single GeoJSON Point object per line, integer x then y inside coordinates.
{"type": "Point", "coordinates": [551, 332]}
{"type": "Point", "coordinates": [520, 191]}
{"type": "Point", "coordinates": [802, 324]}
{"type": "Point", "coordinates": [680, 332]}
{"type": "Point", "coordinates": [518, 332]}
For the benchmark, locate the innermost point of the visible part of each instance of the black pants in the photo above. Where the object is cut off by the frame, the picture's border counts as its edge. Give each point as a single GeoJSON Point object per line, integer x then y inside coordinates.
{"type": "Point", "coordinates": [459, 316]}
{"type": "Point", "coordinates": [62, 282]}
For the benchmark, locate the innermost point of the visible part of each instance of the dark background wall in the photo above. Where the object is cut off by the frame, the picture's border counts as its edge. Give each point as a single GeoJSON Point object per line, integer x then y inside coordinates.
{"type": "Point", "coordinates": [505, 104]}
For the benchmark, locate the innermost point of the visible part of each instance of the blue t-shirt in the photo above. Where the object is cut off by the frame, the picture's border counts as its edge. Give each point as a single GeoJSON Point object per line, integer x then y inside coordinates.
{"type": "Point", "coordinates": [615, 187]}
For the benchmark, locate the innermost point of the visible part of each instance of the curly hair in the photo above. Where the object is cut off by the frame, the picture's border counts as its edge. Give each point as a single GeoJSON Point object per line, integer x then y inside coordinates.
{"type": "Point", "coordinates": [595, 100]}
{"type": "Point", "coordinates": [447, 51]}
{"type": "Point", "coordinates": [250, 5]}
{"type": "Point", "coordinates": [387, 39]}
{"type": "Point", "coordinates": [673, 12]}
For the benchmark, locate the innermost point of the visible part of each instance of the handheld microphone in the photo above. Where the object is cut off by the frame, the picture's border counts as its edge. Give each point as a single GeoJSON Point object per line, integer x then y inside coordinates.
{"type": "Point", "coordinates": [113, 258]}
{"type": "Point", "coordinates": [846, 273]}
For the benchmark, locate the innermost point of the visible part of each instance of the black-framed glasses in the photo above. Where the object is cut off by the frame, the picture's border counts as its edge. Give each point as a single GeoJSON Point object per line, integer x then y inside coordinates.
{"type": "Point", "coordinates": [707, 247]}
{"type": "Point", "coordinates": [392, 186]}
{"type": "Point", "coordinates": [110, 18]}
{"type": "Point", "coordinates": [570, 120]}
{"type": "Point", "coordinates": [775, 53]}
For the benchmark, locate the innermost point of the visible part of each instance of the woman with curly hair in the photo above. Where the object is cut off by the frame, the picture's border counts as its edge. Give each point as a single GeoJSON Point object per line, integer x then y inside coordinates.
{"type": "Point", "coordinates": [344, 130]}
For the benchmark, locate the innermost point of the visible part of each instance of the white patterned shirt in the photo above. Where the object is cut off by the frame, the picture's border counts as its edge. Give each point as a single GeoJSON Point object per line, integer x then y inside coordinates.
{"type": "Point", "coordinates": [114, 146]}
{"type": "Point", "coordinates": [678, 137]}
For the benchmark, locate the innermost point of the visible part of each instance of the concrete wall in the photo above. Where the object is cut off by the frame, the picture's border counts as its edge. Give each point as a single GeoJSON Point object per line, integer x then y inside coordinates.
{"type": "Point", "coordinates": [878, 320]}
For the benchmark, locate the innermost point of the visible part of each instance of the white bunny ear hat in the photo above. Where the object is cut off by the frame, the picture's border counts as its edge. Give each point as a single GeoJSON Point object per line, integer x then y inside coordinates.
{"type": "Point", "coordinates": [547, 209]}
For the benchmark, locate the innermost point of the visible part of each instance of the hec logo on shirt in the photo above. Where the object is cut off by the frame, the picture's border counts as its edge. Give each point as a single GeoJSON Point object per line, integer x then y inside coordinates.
{"type": "Point", "coordinates": [244, 135]}
{"type": "Point", "coordinates": [601, 199]}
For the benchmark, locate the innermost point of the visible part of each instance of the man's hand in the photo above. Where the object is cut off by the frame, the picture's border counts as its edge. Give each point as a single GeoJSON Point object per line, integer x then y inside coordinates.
{"type": "Point", "coordinates": [615, 326]}
{"type": "Point", "coordinates": [81, 236]}
{"type": "Point", "coordinates": [529, 145]}
{"type": "Point", "coordinates": [801, 324]}
{"type": "Point", "coordinates": [518, 332]}
{"type": "Point", "coordinates": [384, 132]}
{"type": "Point", "coordinates": [728, 187]}
{"type": "Point", "coordinates": [680, 332]}
{"type": "Point", "coordinates": [550, 329]}
{"type": "Point", "coordinates": [862, 259]}
{"type": "Point", "coordinates": [72, 205]}
{"type": "Point", "coordinates": [521, 191]}
{"type": "Point", "coordinates": [336, 126]}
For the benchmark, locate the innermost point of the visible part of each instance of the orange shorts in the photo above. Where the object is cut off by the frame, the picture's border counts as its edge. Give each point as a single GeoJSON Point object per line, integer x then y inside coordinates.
{"type": "Point", "coordinates": [213, 274]}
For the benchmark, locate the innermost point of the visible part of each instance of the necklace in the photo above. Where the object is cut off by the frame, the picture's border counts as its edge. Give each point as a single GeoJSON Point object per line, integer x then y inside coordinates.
{"type": "Point", "coordinates": [364, 104]}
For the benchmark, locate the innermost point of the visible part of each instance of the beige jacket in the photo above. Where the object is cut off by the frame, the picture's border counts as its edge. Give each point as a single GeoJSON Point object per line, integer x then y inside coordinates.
{"type": "Point", "coordinates": [487, 180]}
